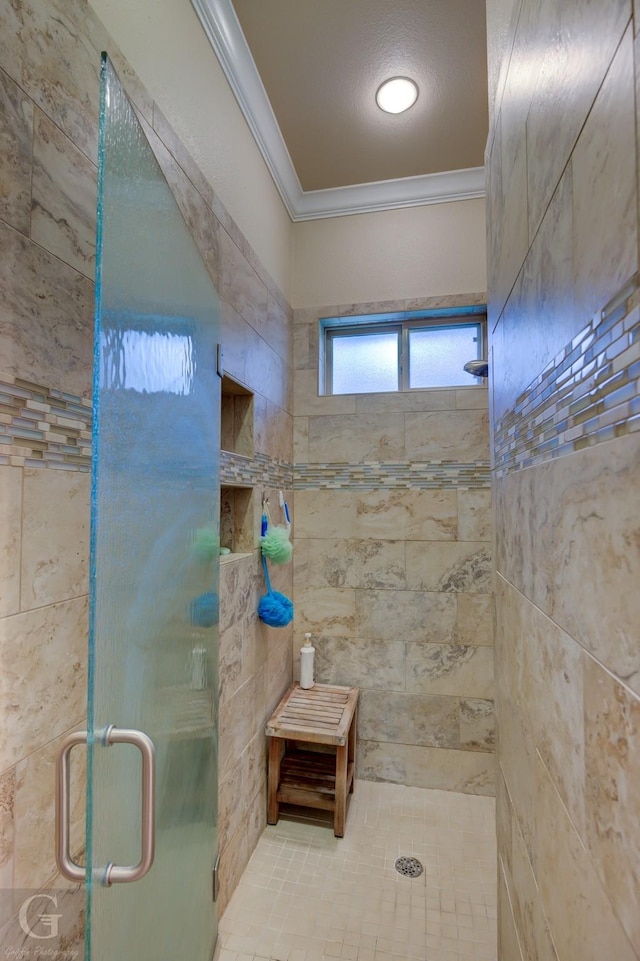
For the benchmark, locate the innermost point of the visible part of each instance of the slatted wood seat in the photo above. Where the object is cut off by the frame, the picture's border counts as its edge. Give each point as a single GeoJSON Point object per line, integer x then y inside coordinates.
{"type": "Point", "coordinates": [324, 714]}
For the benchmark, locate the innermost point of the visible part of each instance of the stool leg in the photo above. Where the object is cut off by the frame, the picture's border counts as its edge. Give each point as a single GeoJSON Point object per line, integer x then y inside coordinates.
{"type": "Point", "coordinates": [275, 757]}
{"type": "Point", "coordinates": [342, 754]}
{"type": "Point", "coordinates": [352, 749]}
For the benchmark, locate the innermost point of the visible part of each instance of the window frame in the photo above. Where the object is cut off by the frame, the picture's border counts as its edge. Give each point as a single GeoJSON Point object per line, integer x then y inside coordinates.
{"type": "Point", "coordinates": [401, 322]}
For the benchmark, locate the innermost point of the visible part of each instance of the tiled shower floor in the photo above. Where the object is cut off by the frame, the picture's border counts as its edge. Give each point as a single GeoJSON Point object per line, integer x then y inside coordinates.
{"type": "Point", "coordinates": [307, 896]}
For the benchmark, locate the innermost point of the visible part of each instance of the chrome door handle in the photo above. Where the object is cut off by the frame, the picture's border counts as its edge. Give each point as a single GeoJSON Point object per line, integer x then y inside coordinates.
{"type": "Point", "coordinates": [113, 873]}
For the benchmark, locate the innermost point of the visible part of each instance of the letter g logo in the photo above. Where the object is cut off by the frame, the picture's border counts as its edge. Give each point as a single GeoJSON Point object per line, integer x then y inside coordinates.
{"type": "Point", "coordinates": [48, 921]}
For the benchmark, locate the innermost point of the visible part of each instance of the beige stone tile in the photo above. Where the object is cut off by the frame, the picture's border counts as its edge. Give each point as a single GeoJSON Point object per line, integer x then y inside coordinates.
{"type": "Point", "coordinates": [523, 344]}
{"type": "Point", "coordinates": [342, 562]}
{"type": "Point", "coordinates": [233, 860]}
{"type": "Point", "coordinates": [474, 623]}
{"type": "Point", "coordinates": [368, 663]}
{"type": "Point", "coordinates": [199, 219]}
{"type": "Point", "coordinates": [408, 719]}
{"type": "Point", "coordinates": [7, 827]}
{"type": "Point", "coordinates": [612, 761]}
{"type": "Point", "coordinates": [305, 351]}
{"type": "Point", "coordinates": [300, 440]}
{"type": "Point", "coordinates": [469, 772]}
{"type": "Point", "coordinates": [415, 400]}
{"type": "Point", "coordinates": [382, 515]}
{"type": "Point", "coordinates": [231, 803]}
{"type": "Point", "coordinates": [406, 615]}
{"type": "Point", "coordinates": [445, 566]}
{"type": "Point", "coordinates": [572, 72]}
{"type": "Point", "coordinates": [477, 725]}
{"type": "Point", "coordinates": [46, 316]}
{"type": "Point", "coordinates": [16, 136]}
{"type": "Point", "coordinates": [472, 398]}
{"type": "Point", "coordinates": [238, 590]}
{"type": "Point", "coordinates": [279, 433]}
{"type": "Point", "coordinates": [279, 329]}
{"type": "Point", "coordinates": [279, 671]}
{"type": "Point", "coordinates": [231, 670]}
{"type": "Point", "coordinates": [569, 886]}
{"type": "Point", "coordinates": [531, 923]}
{"type": "Point", "coordinates": [326, 610]}
{"type": "Point", "coordinates": [371, 307]}
{"type": "Point", "coordinates": [446, 300]}
{"type": "Point", "coordinates": [504, 822]}
{"type": "Point", "coordinates": [66, 86]}
{"type": "Point", "coordinates": [463, 671]}
{"type": "Point", "coordinates": [307, 400]}
{"type": "Point", "coordinates": [355, 438]}
{"type": "Point", "coordinates": [241, 287]}
{"type": "Point", "coordinates": [182, 156]}
{"type": "Point", "coordinates": [452, 435]}
{"type": "Point", "coordinates": [35, 814]}
{"type": "Point", "coordinates": [266, 371]}
{"type": "Point", "coordinates": [514, 226]}
{"type": "Point", "coordinates": [63, 204]}
{"type": "Point", "coordinates": [604, 170]}
{"type": "Point", "coordinates": [11, 512]}
{"type": "Point", "coordinates": [237, 725]}
{"type": "Point", "coordinates": [234, 339]}
{"type": "Point", "coordinates": [567, 539]}
{"type": "Point", "coordinates": [475, 520]}
{"type": "Point", "coordinates": [43, 654]}
{"type": "Point", "coordinates": [508, 944]}
{"type": "Point", "coordinates": [55, 536]}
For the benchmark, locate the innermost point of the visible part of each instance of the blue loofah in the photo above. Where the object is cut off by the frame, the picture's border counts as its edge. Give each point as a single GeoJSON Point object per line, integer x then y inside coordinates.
{"type": "Point", "coordinates": [203, 610]}
{"type": "Point", "coordinates": [274, 608]}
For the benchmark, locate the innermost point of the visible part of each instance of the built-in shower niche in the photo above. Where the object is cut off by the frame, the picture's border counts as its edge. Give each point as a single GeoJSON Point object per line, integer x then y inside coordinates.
{"type": "Point", "coordinates": [236, 418]}
{"type": "Point", "coordinates": [236, 520]}
{"type": "Point", "coordinates": [236, 438]}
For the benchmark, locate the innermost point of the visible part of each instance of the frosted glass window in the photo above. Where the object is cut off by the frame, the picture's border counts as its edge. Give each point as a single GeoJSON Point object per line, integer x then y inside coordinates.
{"type": "Point", "coordinates": [437, 355]}
{"type": "Point", "coordinates": [365, 363]}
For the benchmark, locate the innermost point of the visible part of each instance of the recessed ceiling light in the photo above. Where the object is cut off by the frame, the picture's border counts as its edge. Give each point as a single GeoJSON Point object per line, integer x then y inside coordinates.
{"type": "Point", "coordinates": [397, 94]}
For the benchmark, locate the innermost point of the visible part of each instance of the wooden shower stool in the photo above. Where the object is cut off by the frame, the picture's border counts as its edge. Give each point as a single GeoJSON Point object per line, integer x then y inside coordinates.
{"type": "Point", "coordinates": [323, 714]}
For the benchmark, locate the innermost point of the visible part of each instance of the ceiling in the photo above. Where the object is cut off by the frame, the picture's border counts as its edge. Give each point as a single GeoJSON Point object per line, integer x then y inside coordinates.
{"type": "Point", "coordinates": [305, 73]}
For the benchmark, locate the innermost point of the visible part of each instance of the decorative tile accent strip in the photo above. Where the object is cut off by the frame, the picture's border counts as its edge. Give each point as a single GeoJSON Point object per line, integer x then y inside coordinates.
{"type": "Point", "coordinates": [590, 393]}
{"type": "Point", "coordinates": [43, 427]}
{"type": "Point", "coordinates": [416, 475]}
{"type": "Point", "coordinates": [259, 470]}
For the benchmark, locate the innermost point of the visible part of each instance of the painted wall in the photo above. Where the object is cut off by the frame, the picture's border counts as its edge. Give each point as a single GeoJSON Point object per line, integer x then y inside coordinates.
{"type": "Point", "coordinates": [166, 44]}
{"type": "Point", "coordinates": [393, 567]}
{"type": "Point", "coordinates": [49, 86]}
{"type": "Point", "coordinates": [565, 343]}
{"type": "Point", "coordinates": [392, 255]}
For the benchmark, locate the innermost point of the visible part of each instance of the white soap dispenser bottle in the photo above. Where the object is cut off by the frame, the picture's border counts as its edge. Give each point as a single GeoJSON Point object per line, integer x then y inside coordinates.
{"type": "Point", "coordinates": [307, 653]}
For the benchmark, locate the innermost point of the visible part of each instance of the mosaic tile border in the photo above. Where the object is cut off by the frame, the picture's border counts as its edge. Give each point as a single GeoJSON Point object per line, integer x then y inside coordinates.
{"type": "Point", "coordinates": [404, 475]}
{"type": "Point", "coordinates": [43, 427]}
{"type": "Point", "coordinates": [590, 393]}
{"type": "Point", "coordinates": [257, 471]}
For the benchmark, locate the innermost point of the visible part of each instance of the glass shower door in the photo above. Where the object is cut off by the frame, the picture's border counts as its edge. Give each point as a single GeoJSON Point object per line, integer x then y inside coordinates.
{"type": "Point", "coordinates": [154, 573]}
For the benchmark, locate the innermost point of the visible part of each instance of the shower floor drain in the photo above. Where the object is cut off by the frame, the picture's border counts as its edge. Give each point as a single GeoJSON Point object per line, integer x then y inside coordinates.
{"type": "Point", "coordinates": [409, 867]}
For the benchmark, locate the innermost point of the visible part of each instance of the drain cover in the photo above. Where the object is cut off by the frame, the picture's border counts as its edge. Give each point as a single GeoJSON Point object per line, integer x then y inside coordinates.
{"type": "Point", "coordinates": [409, 867]}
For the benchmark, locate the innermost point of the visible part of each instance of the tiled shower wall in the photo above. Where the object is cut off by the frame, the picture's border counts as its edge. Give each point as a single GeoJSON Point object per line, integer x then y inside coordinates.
{"type": "Point", "coordinates": [564, 308]}
{"type": "Point", "coordinates": [393, 568]}
{"type": "Point", "coordinates": [49, 86]}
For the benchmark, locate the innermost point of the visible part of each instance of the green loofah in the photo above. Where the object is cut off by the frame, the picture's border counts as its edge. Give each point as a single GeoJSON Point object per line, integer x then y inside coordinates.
{"type": "Point", "coordinates": [206, 544]}
{"type": "Point", "coordinates": [276, 545]}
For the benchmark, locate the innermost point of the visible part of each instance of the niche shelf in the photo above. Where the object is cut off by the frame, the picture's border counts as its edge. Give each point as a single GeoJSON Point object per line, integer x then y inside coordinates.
{"type": "Point", "coordinates": [236, 520]}
{"type": "Point", "coordinates": [236, 418]}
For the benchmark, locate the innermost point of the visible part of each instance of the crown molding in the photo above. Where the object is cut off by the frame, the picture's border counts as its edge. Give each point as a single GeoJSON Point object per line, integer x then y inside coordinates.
{"type": "Point", "coordinates": [225, 35]}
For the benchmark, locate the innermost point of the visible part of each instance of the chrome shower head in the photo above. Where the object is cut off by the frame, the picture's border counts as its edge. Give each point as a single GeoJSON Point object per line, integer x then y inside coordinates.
{"type": "Point", "coordinates": [479, 368]}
